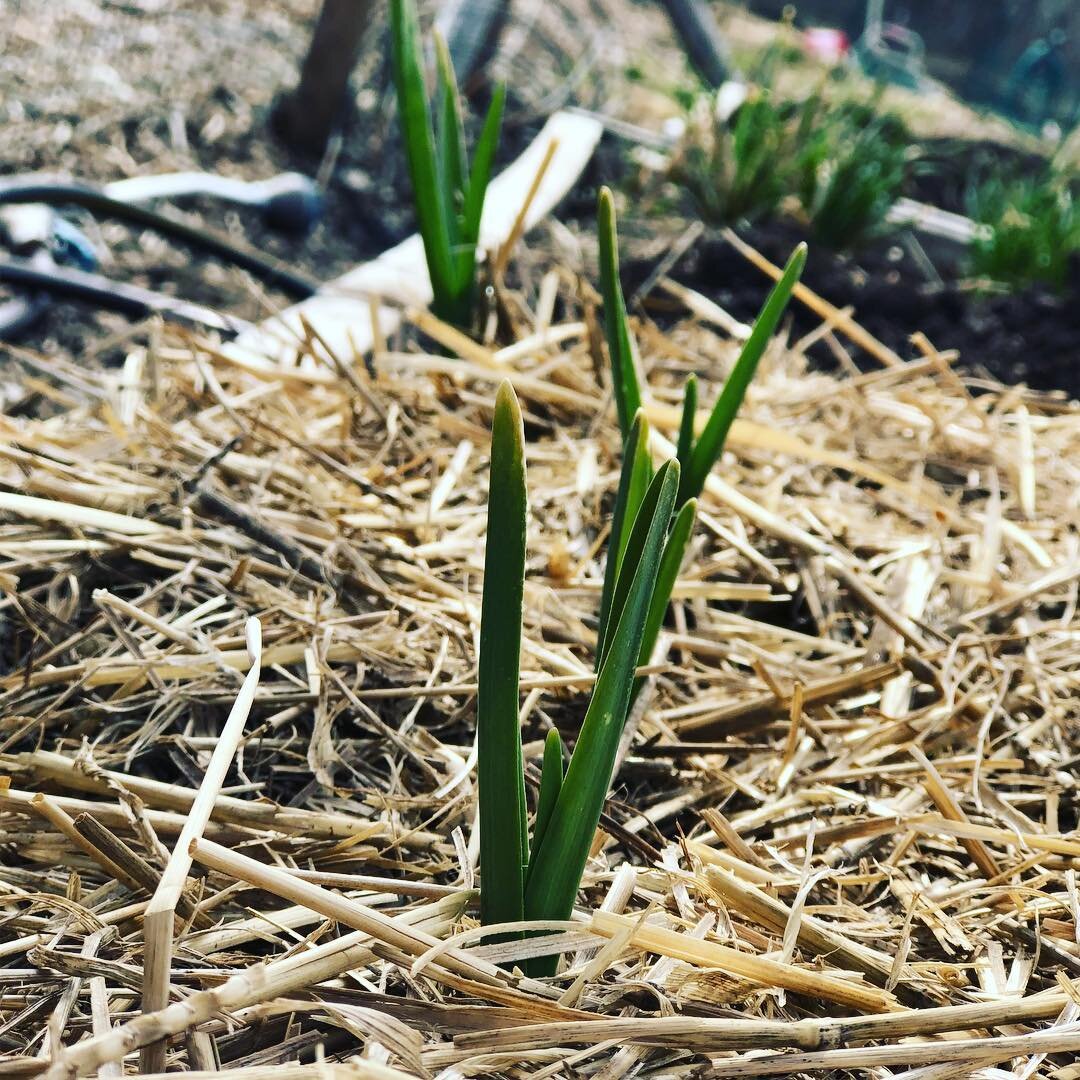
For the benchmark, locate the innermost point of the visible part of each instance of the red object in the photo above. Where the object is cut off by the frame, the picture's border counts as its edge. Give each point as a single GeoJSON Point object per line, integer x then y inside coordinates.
{"type": "Point", "coordinates": [825, 44]}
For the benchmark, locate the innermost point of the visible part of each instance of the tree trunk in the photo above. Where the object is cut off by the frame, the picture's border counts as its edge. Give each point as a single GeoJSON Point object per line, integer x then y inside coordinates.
{"type": "Point", "coordinates": [306, 116]}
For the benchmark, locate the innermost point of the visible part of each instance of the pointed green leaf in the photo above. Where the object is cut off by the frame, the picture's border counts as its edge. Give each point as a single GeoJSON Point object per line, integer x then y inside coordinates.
{"type": "Point", "coordinates": [686, 427]}
{"type": "Point", "coordinates": [670, 563]}
{"type": "Point", "coordinates": [711, 443]}
{"type": "Point", "coordinates": [473, 204]}
{"type": "Point", "coordinates": [634, 550]}
{"type": "Point", "coordinates": [453, 171]}
{"type": "Point", "coordinates": [432, 207]}
{"type": "Point", "coordinates": [450, 134]}
{"type": "Point", "coordinates": [557, 864]}
{"type": "Point", "coordinates": [551, 778]}
{"type": "Point", "coordinates": [633, 483]}
{"type": "Point", "coordinates": [483, 159]}
{"type": "Point", "coordinates": [624, 376]}
{"type": "Point", "coordinates": [503, 825]}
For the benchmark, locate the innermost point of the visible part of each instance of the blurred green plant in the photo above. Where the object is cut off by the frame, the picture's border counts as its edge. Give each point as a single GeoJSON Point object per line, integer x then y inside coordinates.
{"type": "Point", "coordinates": [840, 166]}
{"type": "Point", "coordinates": [736, 169]}
{"type": "Point", "coordinates": [851, 170]}
{"type": "Point", "coordinates": [1030, 229]}
{"type": "Point", "coordinates": [448, 194]}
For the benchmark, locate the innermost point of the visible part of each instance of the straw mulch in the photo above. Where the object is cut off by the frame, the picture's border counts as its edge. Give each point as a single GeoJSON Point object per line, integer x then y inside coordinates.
{"type": "Point", "coordinates": [841, 836]}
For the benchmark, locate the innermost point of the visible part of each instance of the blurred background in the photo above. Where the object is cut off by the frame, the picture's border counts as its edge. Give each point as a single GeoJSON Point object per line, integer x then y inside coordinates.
{"type": "Point", "coordinates": [971, 47]}
{"type": "Point", "coordinates": [923, 148]}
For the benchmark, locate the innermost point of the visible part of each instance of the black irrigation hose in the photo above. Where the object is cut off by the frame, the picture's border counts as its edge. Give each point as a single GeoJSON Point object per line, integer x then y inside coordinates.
{"type": "Point", "coordinates": [58, 192]}
{"type": "Point", "coordinates": [36, 278]}
{"type": "Point", "coordinates": [19, 313]}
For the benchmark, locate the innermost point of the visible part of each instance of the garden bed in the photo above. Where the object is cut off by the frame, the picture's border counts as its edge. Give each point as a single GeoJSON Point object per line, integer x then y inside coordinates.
{"type": "Point", "coordinates": [914, 527]}
{"type": "Point", "coordinates": [843, 827]}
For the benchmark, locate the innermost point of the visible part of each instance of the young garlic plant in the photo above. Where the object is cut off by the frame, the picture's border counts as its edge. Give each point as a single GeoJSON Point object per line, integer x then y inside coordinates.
{"type": "Point", "coordinates": [448, 194]}
{"type": "Point", "coordinates": [696, 455]}
{"type": "Point", "coordinates": [536, 878]}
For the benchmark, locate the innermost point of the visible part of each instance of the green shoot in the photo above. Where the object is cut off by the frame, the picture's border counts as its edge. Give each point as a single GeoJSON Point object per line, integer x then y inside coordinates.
{"type": "Point", "coordinates": [557, 864]}
{"type": "Point", "coordinates": [670, 564]}
{"type": "Point", "coordinates": [633, 552]}
{"type": "Point", "coordinates": [685, 446]}
{"type": "Point", "coordinates": [551, 781]}
{"type": "Point", "coordinates": [504, 849]}
{"type": "Point", "coordinates": [696, 457]}
{"type": "Point", "coordinates": [540, 881]}
{"type": "Point", "coordinates": [634, 481]}
{"type": "Point", "coordinates": [624, 376]}
{"type": "Point", "coordinates": [448, 197]}
{"type": "Point", "coordinates": [450, 132]}
{"type": "Point", "coordinates": [710, 445]}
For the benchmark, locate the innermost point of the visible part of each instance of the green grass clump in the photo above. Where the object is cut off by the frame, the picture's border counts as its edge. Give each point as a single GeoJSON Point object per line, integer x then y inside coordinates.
{"type": "Point", "coordinates": [851, 169]}
{"type": "Point", "coordinates": [735, 170]}
{"type": "Point", "coordinates": [448, 194]}
{"type": "Point", "coordinates": [539, 879]}
{"type": "Point", "coordinates": [1031, 230]}
{"type": "Point", "coordinates": [837, 166]}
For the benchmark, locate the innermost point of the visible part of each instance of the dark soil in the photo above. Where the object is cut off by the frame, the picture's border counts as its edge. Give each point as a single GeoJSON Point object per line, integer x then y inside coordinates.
{"type": "Point", "coordinates": [947, 169]}
{"type": "Point", "coordinates": [1031, 336]}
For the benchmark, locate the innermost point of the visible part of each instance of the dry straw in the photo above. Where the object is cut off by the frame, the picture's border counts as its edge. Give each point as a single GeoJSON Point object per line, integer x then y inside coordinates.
{"type": "Point", "coordinates": [840, 835]}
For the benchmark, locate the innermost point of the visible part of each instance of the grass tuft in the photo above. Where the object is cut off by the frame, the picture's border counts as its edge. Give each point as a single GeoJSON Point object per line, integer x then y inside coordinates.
{"type": "Point", "coordinates": [851, 169]}
{"type": "Point", "coordinates": [838, 167]}
{"type": "Point", "coordinates": [1032, 230]}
